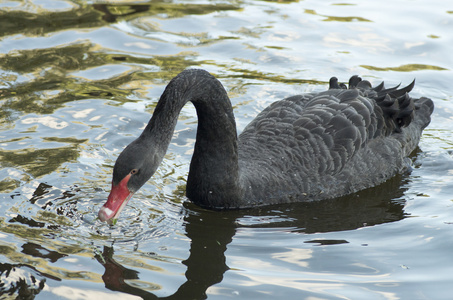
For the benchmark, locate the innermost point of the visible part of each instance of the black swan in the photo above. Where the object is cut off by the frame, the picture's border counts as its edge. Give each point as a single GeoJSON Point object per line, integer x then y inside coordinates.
{"type": "Point", "coordinates": [303, 148]}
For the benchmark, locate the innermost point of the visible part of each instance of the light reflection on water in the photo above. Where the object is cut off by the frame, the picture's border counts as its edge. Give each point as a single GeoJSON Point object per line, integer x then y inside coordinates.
{"type": "Point", "coordinates": [79, 81]}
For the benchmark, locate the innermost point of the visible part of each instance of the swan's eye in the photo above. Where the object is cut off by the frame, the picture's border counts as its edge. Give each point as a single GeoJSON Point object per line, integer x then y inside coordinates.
{"type": "Point", "coordinates": [134, 171]}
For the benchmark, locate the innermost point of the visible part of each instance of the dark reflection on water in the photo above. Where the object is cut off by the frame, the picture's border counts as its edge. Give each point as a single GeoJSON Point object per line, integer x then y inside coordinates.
{"type": "Point", "coordinates": [111, 12]}
{"type": "Point", "coordinates": [21, 281]}
{"type": "Point", "coordinates": [210, 232]}
{"type": "Point", "coordinates": [366, 208]}
{"type": "Point", "coordinates": [39, 251]}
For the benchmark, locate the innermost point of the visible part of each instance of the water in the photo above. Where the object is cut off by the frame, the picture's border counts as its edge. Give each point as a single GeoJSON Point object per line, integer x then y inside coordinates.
{"type": "Point", "coordinates": [79, 80]}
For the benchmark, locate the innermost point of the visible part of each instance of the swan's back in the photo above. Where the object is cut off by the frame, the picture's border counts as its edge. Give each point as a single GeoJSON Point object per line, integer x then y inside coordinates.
{"type": "Point", "coordinates": [324, 145]}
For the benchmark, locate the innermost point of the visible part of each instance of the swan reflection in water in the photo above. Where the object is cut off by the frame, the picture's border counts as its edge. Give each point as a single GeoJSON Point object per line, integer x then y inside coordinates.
{"type": "Point", "coordinates": [211, 231]}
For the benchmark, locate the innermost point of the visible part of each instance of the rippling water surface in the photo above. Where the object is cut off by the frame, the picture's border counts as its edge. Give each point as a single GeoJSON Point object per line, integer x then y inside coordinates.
{"type": "Point", "coordinates": [79, 80]}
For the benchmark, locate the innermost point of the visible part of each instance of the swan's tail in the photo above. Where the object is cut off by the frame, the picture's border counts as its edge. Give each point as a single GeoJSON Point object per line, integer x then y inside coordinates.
{"type": "Point", "coordinates": [398, 108]}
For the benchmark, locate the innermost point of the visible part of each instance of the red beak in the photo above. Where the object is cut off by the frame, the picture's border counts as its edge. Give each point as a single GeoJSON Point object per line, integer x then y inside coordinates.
{"type": "Point", "coordinates": [117, 200]}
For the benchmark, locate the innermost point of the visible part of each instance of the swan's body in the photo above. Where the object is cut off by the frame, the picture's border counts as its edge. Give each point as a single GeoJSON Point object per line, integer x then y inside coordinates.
{"type": "Point", "coordinates": [303, 148]}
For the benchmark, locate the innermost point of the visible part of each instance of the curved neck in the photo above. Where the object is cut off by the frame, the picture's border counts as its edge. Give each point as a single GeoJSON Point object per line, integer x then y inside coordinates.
{"type": "Point", "coordinates": [214, 174]}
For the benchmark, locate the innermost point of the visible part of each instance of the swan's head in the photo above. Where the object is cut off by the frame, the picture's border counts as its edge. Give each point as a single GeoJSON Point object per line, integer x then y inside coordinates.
{"type": "Point", "coordinates": [135, 165]}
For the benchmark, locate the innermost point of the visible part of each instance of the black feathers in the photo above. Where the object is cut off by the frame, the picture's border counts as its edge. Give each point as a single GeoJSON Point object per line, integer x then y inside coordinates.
{"type": "Point", "coordinates": [396, 105]}
{"type": "Point", "coordinates": [331, 143]}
